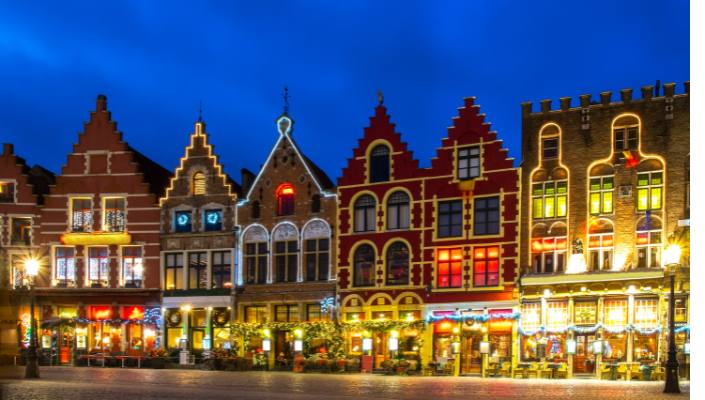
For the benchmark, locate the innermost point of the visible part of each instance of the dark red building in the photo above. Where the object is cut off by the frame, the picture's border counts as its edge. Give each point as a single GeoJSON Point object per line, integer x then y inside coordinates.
{"type": "Point", "coordinates": [439, 243]}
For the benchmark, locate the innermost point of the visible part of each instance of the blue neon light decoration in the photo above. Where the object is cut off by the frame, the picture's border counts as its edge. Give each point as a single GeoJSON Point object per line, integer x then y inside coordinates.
{"type": "Point", "coordinates": [214, 220]}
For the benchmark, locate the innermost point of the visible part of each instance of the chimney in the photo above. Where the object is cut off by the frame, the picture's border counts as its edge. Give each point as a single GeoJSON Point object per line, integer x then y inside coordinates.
{"type": "Point", "coordinates": [526, 108]}
{"type": "Point", "coordinates": [101, 104]}
{"type": "Point", "coordinates": [545, 105]}
{"type": "Point", "coordinates": [625, 95]}
{"type": "Point", "coordinates": [647, 92]}
{"type": "Point", "coordinates": [7, 149]}
{"type": "Point", "coordinates": [247, 178]}
{"type": "Point", "coordinates": [585, 100]}
{"type": "Point", "coordinates": [605, 98]}
{"type": "Point", "coordinates": [565, 103]}
{"type": "Point", "coordinates": [669, 89]}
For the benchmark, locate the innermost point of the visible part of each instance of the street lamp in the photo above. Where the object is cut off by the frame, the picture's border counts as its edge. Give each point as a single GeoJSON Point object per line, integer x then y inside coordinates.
{"type": "Point", "coordinates": [31, 267]}
{"type": "Point", "coordinates": [671, 258]}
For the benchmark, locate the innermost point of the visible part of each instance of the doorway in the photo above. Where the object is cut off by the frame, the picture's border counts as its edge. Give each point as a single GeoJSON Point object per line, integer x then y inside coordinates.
{"type": "Point", "coordinates": [584, 358]}
{"type": "Point", "coordinates": [66, 336]}
{"type": "Point", "coordinates": [380, 348]}
{"type": "Point", "coordinates": [470, 356]}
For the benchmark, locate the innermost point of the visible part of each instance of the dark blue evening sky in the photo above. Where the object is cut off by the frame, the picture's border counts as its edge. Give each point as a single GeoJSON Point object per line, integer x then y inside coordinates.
{"type": "Point", "coordinates": [156, 60]}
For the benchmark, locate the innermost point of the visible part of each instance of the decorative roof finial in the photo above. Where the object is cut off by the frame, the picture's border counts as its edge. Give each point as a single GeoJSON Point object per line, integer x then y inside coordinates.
{"type": "Point", "coordinates": [285, 96]}
{"type": "Point", "coordinates": [380, 97]}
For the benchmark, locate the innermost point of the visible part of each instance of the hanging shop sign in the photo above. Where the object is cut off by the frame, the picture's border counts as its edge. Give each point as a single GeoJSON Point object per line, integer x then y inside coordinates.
{"type": "Point", "coordinates": [46, 341]}
{"type": "Point", "coordinates": [266, 345]}
{"type": "Point", "coordinates": [133, 312]}
{"type": "Point", "coordinates": [393, 344]}
{"type": "Point", "coordinates": [81, 342]}
{"type": "Point", "coordinates": [96, 238]}
{"type": "Point", "coordinates": [367, 344]}
{"type": "Point", "coordinates": [485, 347]}
{"type": "Point", "coordinates": [101, 312]}
{"type": "Point", "coordinates": [298, 345]}
{"type": "Point", "coordinates": [570, 346]}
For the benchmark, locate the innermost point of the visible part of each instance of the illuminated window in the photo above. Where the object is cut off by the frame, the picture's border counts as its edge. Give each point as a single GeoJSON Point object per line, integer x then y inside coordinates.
{"type": "Point", "coordinates": [680, 310]}
{"type": "Point", "coordinates": [649, 190]}
{"type": "Point", "coordinates": [449, 268]}
{"type": "Point", "coordinates": [645, 313]}
{"type": "Point", "coordinates": [365, 214]}
{"type": "Point", "coordinates": [450, 218]}
{"type": "Point", "coordinates": [379, 164]}
{"type": "Point", "coordinates": [132, 266]}
{"type": "Point", "coordinates": [585, 313]}
{"type": "Point", "coordinates": [398, 264]}
{"type": "Point", "coordinates": [21, 231]}
{"type": "Point", "coordinates": [197, 274]}
{"type": "Point", "coordinates": [550, 148]}
{"type": "Point", "coordinates": [601, 195]}
{"type": "Point", "coordinates": [286, 313]}
{"type": "Point", "coordinates": [649, 243]}
{"type": "Point", "coordinates": [81, 215]}
{"type": "Point", "coordinates": [556, 315]}
{"type": "Point", "coordinates": [98, 266]}
{"type": "Point", "coordinates": [549, 199]}
{"type": "Point", "coordinates": [364, 260]}
{"type": "Point", "coordinates": [616, 313]}
{"type": "Point", "coordinates": [398, 211]}
{"type": "Point", "coordinates": [174, 271]}
{"type": "Point", "coordinates": [64, 266]}
{"type": "Point", "coordinates": [257, 314]}
{"type": "Point", "coordinates": [486, 220]}
{"type": "Point", "coordinates": [198, 183]}
{"type": "Point", "coordinates": [220, 265]}
{"type": "Point", "coordinates": [182, 221]}
{"type": "Point", "coordinates": [213, 220]}
{"type": "Point", "coordinates": [19, 278]}
{"type": "Point", "coordinates": [256, 262]}
{"type": "Point", "coordinates": [317, 259]}
{"type": "Point", "coordinates": [286, 260]}
{"type": "Point", "coordinates": [485, 266]}
{"type": "Point", "coordinates": [468, 162]}
{"type": "Point", "coordinates": [285, 199]}
{"type": "Point", "coordinates": [548, 254]}
{"type": "Point", "coordinates": [314, 313]}
{"type": "Point", "coordinates": [7, 192]}
{"type": "Point", "coordinates": [531, 316]}
{"type": "Point", "coordinates": [114, 214]}
{"type": "Point", "coordinates": [601, 246]}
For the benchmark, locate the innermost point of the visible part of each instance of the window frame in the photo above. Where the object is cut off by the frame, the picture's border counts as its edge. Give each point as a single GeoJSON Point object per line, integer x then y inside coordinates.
{"type": "Point", "coordinates": [188, 227]}
{"type": "Point", "coordinates": [390, 260]}
{"type": "Point", "coordinates": [601, 251]}
{"type": "Point", "coordinates": [320, 258]}
{"type": "Point", "coordinates": [221, 273]}
{"type": "Point", "coordinates": [86, 215]}
{"type": "Point", "coordinates": [488, 213]}
{"type": "Point", "coordinates": [481, 263]}
{"type": "Point", "coordinates": [554, 254]}
{"type": "Point", "coordinates": [213, 227]}
{"type": "Point", "coordinates": [174, 269]}
{"type": "Point", "coordinates": [541, 196]}
{"type": "Point", "coordinates": [649, 247]}
{"type": "Point", "coordinates": [108, 224]}
{"type": "Point", "coordinates": [454, 268]}
{"type": "Point", "coordinates": [26, 231]}
{"type": "Point", "coordinates": [202, 281]}
{"type": "Point", "coordinates": [545, 149]}
{"type": "Point", "coordinates": [649, 188]}
{"type": "Point", "coordinates": [198, 184]}
{"type": "Point", "coordinates": [369, 212]}
{"type": "Point", "coordinates": [358, 263]}
{"type": "Point", "coordinates": [7, 191]}
{"type": "Point", "coordinates": [292, 310]}
{"type": "Point", "coordinates": [256, 262]}
{"type": "Point", "coordinates": [129, 262]}
{"type": "Point", "coordinates": [395, 208]}
{"type": "Point", "coordinates": [446, 212]}
{"type": "Point", "coordinates": [286, 202]}
{"type": "Point", "coordinates": [287, 256]}
{"type": "Point", "coordinates": [468, 154]}
{"type": "Point", "coordinates": [70, 266]}
{"type": "Point", "coordinates": [601, 192]}
{"type": "Point", "coordinates": [101, 263]}
{"type": "Point", "coordinates": [380, 160]}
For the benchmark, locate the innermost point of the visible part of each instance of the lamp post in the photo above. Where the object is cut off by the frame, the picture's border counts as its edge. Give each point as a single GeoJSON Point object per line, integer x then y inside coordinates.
{"type": "Point", "coordinates": [672, 257]}
{"type": "Point", "coordinates": [31, 267]}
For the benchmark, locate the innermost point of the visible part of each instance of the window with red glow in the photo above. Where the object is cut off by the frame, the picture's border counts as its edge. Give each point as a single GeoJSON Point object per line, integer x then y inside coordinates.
{"type": "Point", "coordinates": [486, 266]}
{"type": "Point", "coordinates": [285, 199]}
{"type": "Point", "coordinates": [450, 263]}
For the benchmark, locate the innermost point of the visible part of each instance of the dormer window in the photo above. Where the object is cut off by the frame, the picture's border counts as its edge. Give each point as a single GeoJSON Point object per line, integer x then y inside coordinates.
{"type": "Point", "coordinates": [285, 199]}
{"type": "Point", "coordinates": [198, 184]}
{"type": "Point", "coordinates": [7, 192]}
{"type": "Point", "coordinates": [379, 164]}
{"type": "Point", "coordinates": [213, 220]}
{"type": "Point", "coordinates": [182, 221]}
{"type": "Point", "coordinates": [114, 214]}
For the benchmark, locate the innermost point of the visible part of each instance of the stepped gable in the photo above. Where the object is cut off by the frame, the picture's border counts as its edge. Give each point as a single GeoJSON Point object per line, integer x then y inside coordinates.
{"type": "Point", "coordinates": [36, 178]}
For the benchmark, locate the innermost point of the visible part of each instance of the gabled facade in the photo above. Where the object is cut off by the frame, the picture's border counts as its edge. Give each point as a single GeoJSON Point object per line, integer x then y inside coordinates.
{"type": "Point", "coordinates": [198, 244]}
{"type": "Point", "coordinates": [437, 243]}
{"type": "Point", "coordinates": [606, 189]}
{"type": "Point", "coordinates": [286, 251]}
{"type": "Point", "coordinates": [22, 191]}
{"type": "Point", "coordinates": [99, 281]}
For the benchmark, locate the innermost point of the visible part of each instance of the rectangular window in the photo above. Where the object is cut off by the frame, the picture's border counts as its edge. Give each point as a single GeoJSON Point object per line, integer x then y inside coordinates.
{"type": "Point", "coordinates": [182, 221]}
{"type": "Point", "coordinates": [616, 313]}
{"type": "Point", "coordinates": [450, 218]}
{"type": "Point", "coordinates": [531, 316]}
{"type": "Point", "coordinates": [65, 266]}
{"type": "Point", "coordinates": [585, 313]}
{"type": "Point", "coordinates": [98, 266]}
{"type": "Point", "coordinates": [287, 313]}
{"type": "Point", "coordinates": [486, 266]}
{"type": "Point", "coordinates": [486, 216]}
{"type": "Point", "coordinates": [19, 278]}
{"type": "Point", "coordinates": [114, 214]}
{"type": "Point", "coordinates": [549, 199]}
{"type": "Point", "coordinates": [646, 313]}
{"type": "Point", "coordinates": [174, 271]}
{"type": "Point", "coordinates": [213, 220]}
{"type": "Point", "coordinates": [449, 264]}
{"type": "Point", "coordinates": [7, 192]}
{"type": "Point", "coordinates": [648, 249]}
{"type": "Point", "coordinates": [649, 191]}
{"type": "Point", "coordinates": [21, 232]}
{"type": "Point", "coordinates": [314, 313]}
{"type": "Point", "coordinates": [81, 215]}
{"type": "Point", "coordinates": [197, 273]}
{"type": "Point", "coordinates": [626, 138]}
{"type": "Point", "coordinates": [286, 259]}
{"type": "Point", "coordinates": [548, 254]}
{"type": "Point", "coordinates": [550, 148]}
{"type": "Point", "coordinates": [601, 247]}
{"type": "Point", "coordinates": [132, 266]}
{"type": "Point", "coordinates": [257, 314]}
{"type": "Point", "coordinates": [469, 162]}
{"type": "Point", "coordinates": [680, 310]}
{"type": "Point", "coordinates": [221, 269]}
{"type": "Point", "coordinates": [317, 259]}
{"type": "Point", "coordinates": [556, 315]}
{"type": "Point", "coordinates": [256, 262]}
{"type": "Point", "coordinates": [601, 194]}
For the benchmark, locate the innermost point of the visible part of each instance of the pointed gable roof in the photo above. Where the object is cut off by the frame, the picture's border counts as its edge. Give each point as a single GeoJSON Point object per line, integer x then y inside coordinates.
{"type": "Point", "coordinates": [199, 147]}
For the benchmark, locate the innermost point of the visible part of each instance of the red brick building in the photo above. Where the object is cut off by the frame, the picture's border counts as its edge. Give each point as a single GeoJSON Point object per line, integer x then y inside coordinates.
{"type": "Point", "coordinates": [99, 283]}
{"type": "Point", "coordinates": [439, 243]}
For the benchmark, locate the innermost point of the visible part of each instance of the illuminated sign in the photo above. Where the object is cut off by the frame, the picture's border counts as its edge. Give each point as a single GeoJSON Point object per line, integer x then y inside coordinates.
{"type": "Point", "coordinates": [393, 344]}
{"type": "Point", "coordinates": [366, 344]}
{"type": "Point", "coordinates": [570, 346]}
{"type": "Point", "coordinates": [266, 345]}
{"type": "Point", "coordinates": [101, 312]}
{"type": "Point", "coordinates": [298, 345]}
{"type": "Point", "coordinates": [485, 347]}
{"type": "Point", "coordinates": [133, 312]}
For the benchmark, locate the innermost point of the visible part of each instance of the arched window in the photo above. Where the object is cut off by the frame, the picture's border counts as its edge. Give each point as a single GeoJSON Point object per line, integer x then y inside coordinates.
{"type": "Point", "coordinates": [285, 199]}
{"type": "Point", "coordinates": [316, 239]}
{"type": "Point", "coordinates": [649, 243]}
{"type": "Point", "coordinates": [256, 250]}
{"type": "Point", "coordinates": [601, 245]}
{"type": "Point", "coordinates": [364, 261]}
{"type": "Point", "coordinates": [286, 253]}
{"type": "Point", "coordinates": [365, 208]}
{"type": "Point", "coordinates": [550, 142]}
{"type": "Point", "coordinates": [549, 194]}
{"type": "Point", "coordinates": [379, 164]}
{"type": "Point", "coordinates": [398, 211]}
{"type": "Point", "coordinates": [198, 183]}
{"type": "Point", "coordinates": [316, 203]}
{"type": "Point", "coordinates": [255, 209]}
{"type": "Point", "coordinates": [398, 264]}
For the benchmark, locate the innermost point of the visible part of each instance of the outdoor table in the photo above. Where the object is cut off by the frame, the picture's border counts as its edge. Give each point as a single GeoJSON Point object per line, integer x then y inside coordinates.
{"type": "Point", "coordinates": [123, 358]}
{"type": "Point", "coordinates": [554, 367]}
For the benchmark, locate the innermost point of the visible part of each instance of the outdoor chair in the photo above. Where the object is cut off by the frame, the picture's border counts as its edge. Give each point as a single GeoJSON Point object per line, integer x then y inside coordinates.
{"type": "Point", "coordinates": [562, 371]}
{"type": "Point", "coordinates": [533, 370]}
{"type": "Point", "coordinates": [518, 371]}
{"type": "Point", "coordinates": [545, 371]}
{"type": "Point", "coordinates": [659, 374]}
{"type": "Point", "coordinates": [605, 371]}
{"type": "Point", "coordinates": [636, 372]}
{"type": "Point", "coordinates": [505, 370]}
{"type": "Point", "coordinates": [622, 371]}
